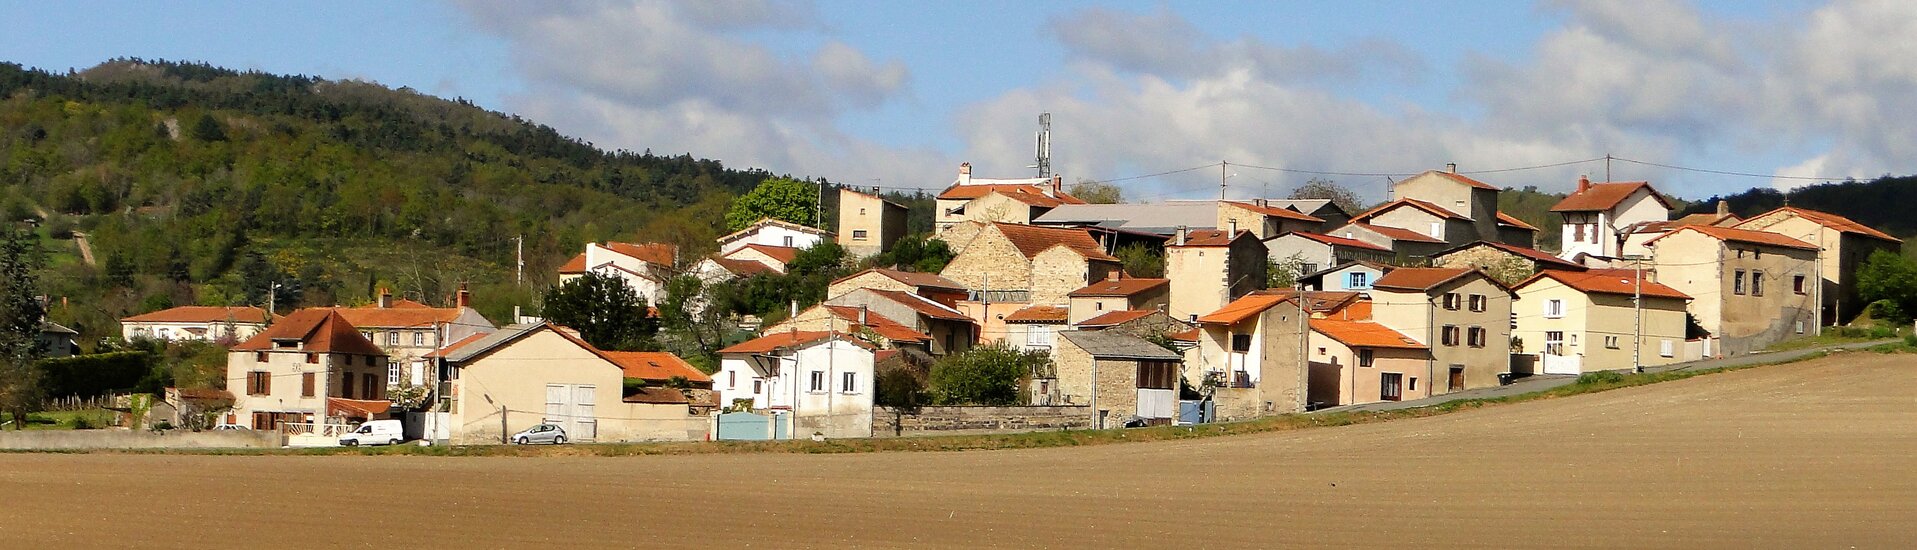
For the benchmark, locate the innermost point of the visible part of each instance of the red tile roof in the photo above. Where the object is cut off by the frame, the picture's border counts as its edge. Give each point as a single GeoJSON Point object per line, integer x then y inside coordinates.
{"type": "Point", "coordinates": [925, 306]}
{"type": "Point", "coordinates": [202, 314]}
{"type": "Point", "coordinates": [1419, 278]}
{"type": "Point", "coordinates": [1509, 220]}
{"type": "Point", "coordinates": [1186, 336]}
{"type": "Point", "coordinates": [1031, 240]}
{"type": "Point", "coordinates": [1460, 178]}
{"type": "Point", "coordinates": [416, 315]}
{"type": "Point", "coordinates": [1034, 195]}
{"type": "Point", "coordinates": [1276, 211]}
{"type": "Point", "coordinates": [1364, 334]}
{"type": "Point", "coordinates": [1605, 196]}
{"type": "Point", "coordinates": [784, 254]}
{"type": "Point", "coordinates": [575, 265]}
{"type": "Point", "coordinates": [321, 330]}
{"type": "Point", "coordinates": [879, 324]}
{"type": "Point", "coordinates": [357, 408]}
{"type": "Point", "coordinates": [742, 267]}
{"type": "Point", "coordinates": [1398, 234]}
{"type": "Point", "coordinates": [1241, 309]}
{"type": "Point", "coordinates": [789, 340]}
{"type": "Point", "coordinates": [654, 365]}
{"type": "Point", "coordinates": [1607, 281]}
{"type": "Point", "coordinates": [1206, 238]}
{"type": "Point", "coordinates": [1119, 287]}
{"type": "Point", "coordinates": [1747, 236]}
{"type": "Point", "coordinates": [1833, 221]}
{"type": "Point", "coordinates": [656, 253]}
{"type": "Point", "coordinates": [1115, 318]}
{"type": "Point", "coordinates": [448, 349]}
{"type": "Point", "coordinates": [1038, 314]}
{"type": "Point", "coordinates": [1337, 241]}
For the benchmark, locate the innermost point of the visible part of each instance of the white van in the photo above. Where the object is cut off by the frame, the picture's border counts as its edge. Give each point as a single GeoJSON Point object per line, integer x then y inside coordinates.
{"type": "Point", "coordinates": [376, 432]}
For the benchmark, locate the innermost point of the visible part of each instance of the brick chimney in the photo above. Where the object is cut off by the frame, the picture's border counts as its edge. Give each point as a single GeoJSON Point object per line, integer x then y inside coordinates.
{"type": "Point", "coordinates": [463, 298]}
{"type": "Point", "coordinates": [1058, 184]}
{"type": "Point", "coordinates": [965, 173]}
{"type": "Point", "coordinates": [385, 297]}
{"type": "Point", "coordinates": [1584, 183]}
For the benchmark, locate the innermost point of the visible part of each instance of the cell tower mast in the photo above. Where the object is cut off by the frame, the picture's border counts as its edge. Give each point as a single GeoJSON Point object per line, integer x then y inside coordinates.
{"type": "Point", "coordinates": [1044, 150]}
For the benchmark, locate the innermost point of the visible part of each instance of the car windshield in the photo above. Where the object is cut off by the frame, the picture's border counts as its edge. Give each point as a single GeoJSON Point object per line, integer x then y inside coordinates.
{"type": "Point", "coordinates": [366, 429]}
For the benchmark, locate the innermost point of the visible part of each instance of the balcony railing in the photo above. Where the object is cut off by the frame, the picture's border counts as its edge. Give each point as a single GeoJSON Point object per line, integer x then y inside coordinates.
{"type": "Point", "coordinates": [310, 428]}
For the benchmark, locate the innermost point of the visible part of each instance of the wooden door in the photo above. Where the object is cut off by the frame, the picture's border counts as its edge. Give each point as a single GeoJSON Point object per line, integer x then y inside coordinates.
{"type": "Point", "coordinates": [1390, 386]}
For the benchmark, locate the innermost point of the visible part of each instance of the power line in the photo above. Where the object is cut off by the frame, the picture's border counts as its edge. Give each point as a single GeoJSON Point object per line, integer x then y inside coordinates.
{"type": "Point", "coordinates": [1729, 172]}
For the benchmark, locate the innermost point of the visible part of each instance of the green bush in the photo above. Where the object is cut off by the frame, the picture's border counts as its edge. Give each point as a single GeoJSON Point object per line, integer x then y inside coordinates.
{"type": "Point", "coordinates": [985, 376]}
{"type": "Point", "coordinates": [1601, 377]}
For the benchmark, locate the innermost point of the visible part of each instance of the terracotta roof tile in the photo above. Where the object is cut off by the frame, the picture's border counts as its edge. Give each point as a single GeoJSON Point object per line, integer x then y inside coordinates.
{"type": "Point", "coordinates": [1833, 221]}
{"type": "Point", "coordinates": [1364, 334]}
{"type": "Point", "coordinates": [1120, 287]}
{"type": "Point", "coordinates": [1544, 259]}
{"type": "Point", "coordinates": [1031, 240]}
{"type": "Point", "coordinates": [925, 306]}
{"type": "Point", "coordinates": [357, 408]}
{"type": "Point", "coordinates": [1605, 196]}
{"type": "Point", "coordinates": [1507, 219]}
{"type": "Point", "coordinates": [742, 267]}
{"type": "Point", "coordinates": [928, 280]}
{"type": "Point", "coordinates": [1034, 195]}
{"type": "Point", "coordinates": [1748, 236]}
{"type": "Point", "coordinates": [201, 314]}
{"type": "Point", "coordinates": [1207, 238]}
{"type": "Point", "coordinates": [656, 253]}
{"type": "Point", "coordinates": [448, 349]}
{"type": "Point", "coordinates": [1115, 318]}
{"type": "Point", "coordinates": [419, 316]}
{"type": "Point", "coordinates": [784, 254]}
{"type": "Point", "coordinates": [1418, 278]}
{"type": "Point", "coordinates": [1039, 314]}
{"type": "Point", "coordinates": [879, 324]}
{"type": "Point", "coordinates": [1337, 241]}
{"type": "Point", "coordinates": [1607, 281]}
{"type": "Point", "coordinates": [575, 265]}
{"type": "Point", "coordinates": [1241, 309]}
{"type": "Point", "coordinates": [1186, 336]}
{"type": "Point", "coordinates": [654, 365]}
{"type": "Point", "coordinates": [1433, 209]}
{"type": "Point", "coordinates": [1460, 178]}
{"type": "Point", "coordinates": [321, 330]}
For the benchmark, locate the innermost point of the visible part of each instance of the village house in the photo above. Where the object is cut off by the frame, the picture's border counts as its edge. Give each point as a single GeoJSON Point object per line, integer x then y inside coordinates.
{"type": "Point", "coordinates": [1423, 218]}
{"type": "Point", "coordinates": [1249, 354]}
{"type": "Point", "coordinates": [1596, 216]}
{"type": "Point", "coordinates": [771, 232]}
{"type": "Point", "coordinates": [812, 382]}
{"type": "Point", "coordinates": [1462, 315]}
{"type": "Point", "coordinates": [1749, 288]}
{"type": "Point", "coordinates": [1210, 268]}
{"type": "Point", "coordinates": [1118, 294]}
{"type": "Point", "coordinates": [1583, 321]}
{"type": "Point", "coordinates": [1355, 276]}
{"type": "Point", "coordinates": [716, 269]}
{"type": "Point", "coordinates": [1033, 327]}
{"type": "Point", "coordinates": [530, 374]}
{"type": "Point", "coordinates": [1642, 232]}
{"type": "Point", "coordinates": [644, 268]}
{"type": "Point", "coordinates": [1143, 323]}
{"type": "Point", "coordinates": [950, 330]}
{"type": "Point", "coordinates": [56, 340]}
{"type": "Point", "coordinates": [929, 285]}
{"type": "Point", "coordinates": [774, 258]}
{"type": "Point", "coordinates": [1452, 207]}
{"type": "Point", "coordinates": [1118, 377]}
{"type": "Point", "coordinates": [1313, 251]}
{"type": "Point", "coordinates": [1507, 263]}
{"type": "Point", "coordinates": [1356, 361]}
{"type": "Point", "coordinates": [1405, 244]}
{"type": "Point", "coordinates": [880, 329]}
{"type": "Point", "coordinates": [407, 331]}
{"type": "Point", "coordinates": [1010, 266]}
{"type": "Point", "coordinates": [1845, 246]}
{"type": "Point", "coordinates": [1265, 219]}
{"type": "Point", "coordinates": [312, 367]}
{"type": "Point", "coordinates": [998, 200]}
{"type": "Point", "coordinates": [869, 224]}
{"type": "Point", "coordinates": [210, 323]}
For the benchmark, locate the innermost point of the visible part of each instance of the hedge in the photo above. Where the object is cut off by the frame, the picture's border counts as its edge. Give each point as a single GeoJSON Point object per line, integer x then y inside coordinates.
{"type": "Point", "coordinates": [97, 374]}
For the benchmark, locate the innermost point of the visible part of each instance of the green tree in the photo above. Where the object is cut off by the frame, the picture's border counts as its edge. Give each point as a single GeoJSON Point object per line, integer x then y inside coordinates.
{"type": "Point", "coordinates": [1096, 192]}
{"type": "Point", "coordinates": [1888, 281]}
{"type": "Point", "coordinates": [692, 320]}
{"type": "Point", "coordinates": [783, 199]}
{"type": "Point", "coordinates": [607, 313]}
{"type": "Point", "coordinates": [1141, 261]}
{"type": "Point", "coordinates": [1330, 190]}
{"type": "Point", "coordinates": [208, 128]}
{"type": "Point", "coordinates": [916, 252]}
{"type": "Point", "coordinates": [992, 375]}
{"type": "Point", "coordinates": [1284, 274]}
{"type": "Point", "coordinates": [21, 312]}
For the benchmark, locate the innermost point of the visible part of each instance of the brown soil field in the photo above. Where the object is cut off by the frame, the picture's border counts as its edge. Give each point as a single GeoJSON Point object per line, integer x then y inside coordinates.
{"type": "Point", "coordinates": [1813, 454]}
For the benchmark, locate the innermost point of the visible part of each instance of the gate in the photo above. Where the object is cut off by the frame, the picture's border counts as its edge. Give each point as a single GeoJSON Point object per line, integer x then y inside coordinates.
{"type": "Point", "coordinates": [1196, 412]}
{"type": "Point", "coordinates": [745, 426]}
{"type": "Point", "coordinates": [1562, 364]}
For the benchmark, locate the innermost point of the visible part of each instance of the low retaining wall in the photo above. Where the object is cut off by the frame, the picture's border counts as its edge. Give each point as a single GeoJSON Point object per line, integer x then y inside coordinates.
{"type": "Point", "coordinates": [890, 422]}
{"type": "Point", "coordinates": [126, 439]}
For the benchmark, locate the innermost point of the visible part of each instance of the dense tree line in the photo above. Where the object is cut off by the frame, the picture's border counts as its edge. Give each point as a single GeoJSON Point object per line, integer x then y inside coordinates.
{"type": "Point", "coordinates": [1882, 203]}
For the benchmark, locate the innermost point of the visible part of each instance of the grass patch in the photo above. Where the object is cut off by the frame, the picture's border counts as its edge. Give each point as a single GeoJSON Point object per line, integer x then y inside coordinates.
{"type": "Point", "coordinates": [67, 420]}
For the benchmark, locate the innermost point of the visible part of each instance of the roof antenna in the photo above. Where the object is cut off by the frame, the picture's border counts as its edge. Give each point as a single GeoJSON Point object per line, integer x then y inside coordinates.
{"type": "Point", "coordinates": [1042, 152]}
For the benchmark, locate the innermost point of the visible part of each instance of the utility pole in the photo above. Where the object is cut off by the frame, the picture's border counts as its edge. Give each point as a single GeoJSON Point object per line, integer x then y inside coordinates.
{"type": "Point", "coordinates": [272, 299]}
{"type": "Point", "coordinates": [1637, 316]}
{"type": "Point", "coordinates": [1222, 166]}
{"type": "Point", "coordinates": [1304, 345]}
{"type": "Point", "coordinates": [818, 210]}
{"type": "Point", "coordinates": [505, 434]}
{"type": "Point", "coordinates": [1607, 167]}
{"type": "Point", "coordinates": [519, 259]}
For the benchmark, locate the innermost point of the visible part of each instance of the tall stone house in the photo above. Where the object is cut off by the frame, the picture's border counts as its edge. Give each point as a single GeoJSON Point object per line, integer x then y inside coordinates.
{"type": "Point", "coordinates": [1750, 288]}
{"type": "Point", "coordinates": [1249, 356]}
{"type": "Point", "coordinates": [1210, 268]}
{"type": "Point", "coordinates": [1844, 247]}
{"type": "Point", "coordinates": [1451, 207]}
{"type": "Point", "coordinates": [1117, 376]}
{"type": "Point", "coordinates": [1462, 315]}
{"type": "Point", "coordinates": [998, 200]}
{"type": "Point", "coordinates": [1597, 216]}
{"type": "Point", "coordinates": [311, 366]}
{"type": "Point", "coordinates": [1009, 266]}
{"type": "Point", "coordinates": [868, 224]}
{"type": "Point", "coordinates": [1264, 218]}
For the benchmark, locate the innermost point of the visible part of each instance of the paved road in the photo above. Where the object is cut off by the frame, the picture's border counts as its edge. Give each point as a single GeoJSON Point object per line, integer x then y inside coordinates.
{"type": "Point", "coordinates": [1543, 382]}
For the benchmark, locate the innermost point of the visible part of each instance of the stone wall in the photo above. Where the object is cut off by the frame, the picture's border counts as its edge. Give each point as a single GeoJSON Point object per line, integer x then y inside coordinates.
{"type": "Point", "coordinates": [125, 439]}
{"type": "Point", "coordinates": [890, 422]}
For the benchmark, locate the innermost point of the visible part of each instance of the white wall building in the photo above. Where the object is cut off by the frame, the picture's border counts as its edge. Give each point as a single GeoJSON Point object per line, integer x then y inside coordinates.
{"type": "Point", "coordinates": [822, 380]}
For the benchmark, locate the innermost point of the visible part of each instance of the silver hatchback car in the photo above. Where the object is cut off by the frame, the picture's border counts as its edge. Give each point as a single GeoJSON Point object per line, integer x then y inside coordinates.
{"type": "Point", "coordinates": [543, 433]}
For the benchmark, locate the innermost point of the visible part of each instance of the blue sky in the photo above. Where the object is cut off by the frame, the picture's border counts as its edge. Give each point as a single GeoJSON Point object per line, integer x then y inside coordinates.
{"type": "Point", "coordinates": [900, 92]}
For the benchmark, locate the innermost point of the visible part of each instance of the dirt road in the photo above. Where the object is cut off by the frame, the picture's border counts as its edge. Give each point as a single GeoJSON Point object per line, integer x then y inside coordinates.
{"type": "Point", "coordinates": [1817, 454]}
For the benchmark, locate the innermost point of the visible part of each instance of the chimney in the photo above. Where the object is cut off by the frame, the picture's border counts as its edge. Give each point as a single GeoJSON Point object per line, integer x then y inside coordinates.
{"type": "Point", "coordinates": [863, 312]}
{"type": "Point", "coordinates": [385, 297]}
{"type": "Point", "coordinates": [1234, 229]}
{"type": "Point", "coordinates": [795, 309]}
{"type": "Point", "coordinates": [1058, 183]}
{"type": "Point", "coordinates": [1180, 239]}
{"type": "Point", "coordinates": [965, 173]}
{"type": "Point", "coordinates": [1584, 183]}
{"type": "Point", "coordinates": [1723, 208]}
{"type": "Point", "coordinates": [1451, 167]}
{"type": "Point", "coordinates": [464, 298]}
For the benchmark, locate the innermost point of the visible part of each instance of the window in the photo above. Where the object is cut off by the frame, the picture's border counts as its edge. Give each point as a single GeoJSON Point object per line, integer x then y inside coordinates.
{"type": "Point", "coordinates": [392, 338]}
{"type": "Point", "coordinates": [1666, 349]}
{"type": "Point", "coordinates": [369, 386]}
{"type": "Point", "coordinates": [1578, 231]}
{"type": "Point", "coordinates": [1359, 279]}
{"type": "Point", "coordinates": [306, 384]}
{"type": "Point", "coordinates": [849, 383]}
{"type": "Point", "coordinates": [1757, 283]}
{"type": "Point", "coordinates": [1451, 301]}
{"type": "Point", "coordinates": [1610, 342]}
{"type": "Point", "coordinates": [419, 338]}
{"type": "Point", "coordinates": [1098, 306]}
{"type": "Point", "coordinates": [732, 379]}
{"type": "Point", "coordinates": [818, 380]}
{"type": "Point", "coordinates": [1797, 284]}
{"type": "Point", "coordinates": [1737, 284]}
{"type": "Point", "coordinates": [259, 383]}
{"type": "Point", "coordinates": [393, 373]}
{"type": "Point", "coordinates": [1450, 335]}
{"type": "Point", "coordinates": [349, 361]}
{"type": "Point", "coordinates": [1437, 230]}
{"type": "Point", "coordinates": [1554, 342]}
{"type": "Point", "coordinates": [346, 385]}
{"type": "Point", "coordinates": [757, 386]}
{"type": "Point", "coordinates": [1364, 358]}
{"type": "Point", "coordinates": [1038, 336]}
{"type": "Point", "coordinates": [1757, 253]}
{"type": "Point", "coordinates": [1157, 375]}
{"type": "Point", "coordinates": [312, 358]}
{"type": "Point", "coordinates": [1241, 343]}
{"type": "Point", "coordinates": [1477, 302]}
{"type": "Point", "coordinates": [788, 241]}
{"type": "Point", "coordinates": [1553, 309]}
{"type": "Point", "coordinates": [1412, 384]}
{"type": "Point", "coordinates": [1307, 268]}
{"type": "Point", "coordinates": [858, 234]}
{"type": "Point", "coordinates": [259, 357]}
{"type": "Point", "coordinates": [1389, 386]}
{"type": "Point", "coordinates": [1475, 336]}
{"type": "Point", "coordinates": [861, 211]}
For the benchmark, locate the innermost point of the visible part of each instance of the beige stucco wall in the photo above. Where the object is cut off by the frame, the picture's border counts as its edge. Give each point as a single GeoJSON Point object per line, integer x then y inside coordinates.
{"type": "Point", "coordinates": [515, 377]}
{"type": "Point", "coordinates": [181, 331]}
{"type": "Point", "coordinates": [1704, 268]}
{"type": "Point", "coordinates": [287, 369]}
{"type": "Point", "coordinates": [1419, 221]}
{"type": "Point", "coordinates": [1197, 276]}
{"type": "Point", "coordinates": [1273, 364]}
{"type": "Point", "coordinates": [1842, 255]}
{"type": "Point", "coordinates": [1588, 319]}
{"type": "Point", "coordinates": [1422, 317]}
{"type": "Point", "coordinates": [1336, 378]}
{"type": "Point", "coordinates": [998, 208]}
{"type": "Point", "coordinates": [1435, 189]}
{"type": "Point", "coordinates": [882, 222]}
